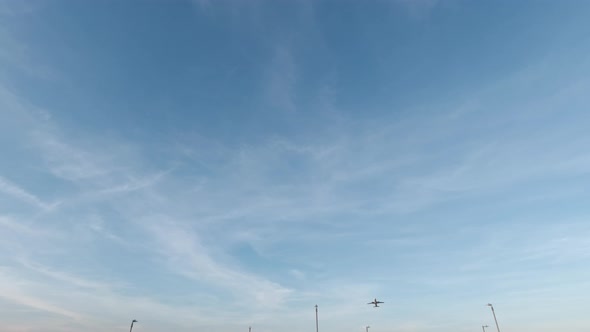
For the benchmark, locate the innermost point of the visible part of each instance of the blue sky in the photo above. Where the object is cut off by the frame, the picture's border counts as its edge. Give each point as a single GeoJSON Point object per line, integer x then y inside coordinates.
{"type": "Point", "coordinates": [223, 164]}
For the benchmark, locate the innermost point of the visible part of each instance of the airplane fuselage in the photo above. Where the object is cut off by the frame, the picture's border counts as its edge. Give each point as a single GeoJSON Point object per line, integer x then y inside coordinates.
{"type": "Point", "coordinates": [375, 303]}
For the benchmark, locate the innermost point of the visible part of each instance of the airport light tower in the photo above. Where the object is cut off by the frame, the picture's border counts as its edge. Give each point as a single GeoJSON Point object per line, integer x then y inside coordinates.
{"type": "Point", "coordinates": [367, 328]}
{"type": "Point", "coordinates": [494, 313]}
{"type": "Point", "coordinates": [316, 319]}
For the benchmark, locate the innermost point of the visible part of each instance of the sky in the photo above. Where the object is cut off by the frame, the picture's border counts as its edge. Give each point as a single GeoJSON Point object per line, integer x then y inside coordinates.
{"type": "Point", "coordinates": [217, 164]}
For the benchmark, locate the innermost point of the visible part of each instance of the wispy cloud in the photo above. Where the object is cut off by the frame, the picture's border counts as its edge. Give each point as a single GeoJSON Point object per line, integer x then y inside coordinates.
{"type": "Point", "coordinates": [11, 292]}
{"type": "Point", "coordinates": [135, 184]}
{"type": "Point", "coordinates": [67, 162]}
{"type": "Point", "coordinates": [98, 177]}
{"type": "Point", "coordinates": [21, 194]}
{"type": "Point", "coordinates": [61, 276]}
{"type": "Point", "coordinates": [25, 229]}
{"type": "Point", "coordinates": [185, 255]}
{"type": "Point", "coordinates": [281, 80]}
{"type": "Point", "coordinates": [94, 306]}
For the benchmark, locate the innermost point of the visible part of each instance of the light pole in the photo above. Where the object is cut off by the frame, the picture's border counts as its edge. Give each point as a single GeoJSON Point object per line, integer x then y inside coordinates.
{"type": "Point", "coordinates": [316, 319]}
{"type": "Point", "coordinates": [367, 328]}
{"type": "Point", "coordinates": [131, 328]}
{"type": "Point", "coordinates": [494, 313]}
{"type": "Point", "coordinates": [483, 327]}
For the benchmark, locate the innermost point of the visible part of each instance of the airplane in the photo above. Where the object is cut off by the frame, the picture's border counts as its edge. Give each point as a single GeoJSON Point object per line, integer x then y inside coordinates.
{"type": "Point", "coordinates": [375, 303]}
